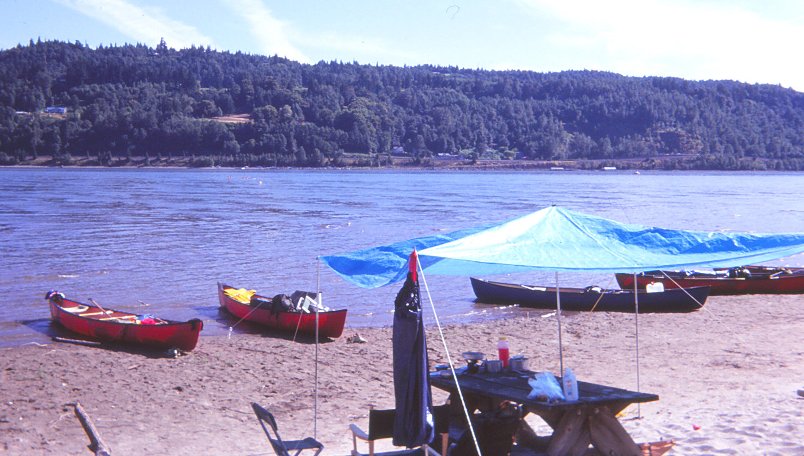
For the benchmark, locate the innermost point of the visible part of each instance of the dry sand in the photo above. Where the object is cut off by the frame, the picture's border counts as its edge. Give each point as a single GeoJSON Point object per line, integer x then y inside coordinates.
{"type": "Point", "coordinates": [727, 377]}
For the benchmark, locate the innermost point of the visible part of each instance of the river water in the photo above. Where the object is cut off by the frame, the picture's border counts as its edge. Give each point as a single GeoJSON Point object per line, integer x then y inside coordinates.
{"type": "Point", "coordinates": [165, 237]}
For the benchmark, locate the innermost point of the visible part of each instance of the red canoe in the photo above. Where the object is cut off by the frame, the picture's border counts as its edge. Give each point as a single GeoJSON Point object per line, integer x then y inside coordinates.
{"type": "Point", "coordinates": [732, 281]}
{"type": "Point", "coordinates": [262, 312]}
{"type": "Point", "coordinates": [122, 327]}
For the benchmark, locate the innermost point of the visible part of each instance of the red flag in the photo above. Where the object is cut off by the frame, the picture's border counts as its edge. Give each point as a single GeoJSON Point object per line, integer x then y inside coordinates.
{"type": "Point", "coordinates": [413, 265]}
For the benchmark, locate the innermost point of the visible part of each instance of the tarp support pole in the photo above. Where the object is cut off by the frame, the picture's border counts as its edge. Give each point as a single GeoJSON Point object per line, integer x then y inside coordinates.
{"type": "Point", "coordinates": [558, 316]}
{"type": "Point", "coordinates": [449, 359]}
{"type": "Point", "coordinates": [636, 331]}
{"type": "Point", "coordinates": [318, 308]}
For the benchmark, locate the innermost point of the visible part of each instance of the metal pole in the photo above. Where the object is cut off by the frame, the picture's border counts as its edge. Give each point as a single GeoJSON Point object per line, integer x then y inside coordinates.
{"type": "Point", "coordinates": [315, 398]}
{"type": "Point", "coordinates": [636, 322]}
{"type": "Point", "coordinates": [558, 315]}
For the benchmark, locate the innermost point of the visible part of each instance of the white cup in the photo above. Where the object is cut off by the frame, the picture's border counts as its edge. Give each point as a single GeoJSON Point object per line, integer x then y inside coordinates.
{"type": "Point", "coordinates": [519, 364]}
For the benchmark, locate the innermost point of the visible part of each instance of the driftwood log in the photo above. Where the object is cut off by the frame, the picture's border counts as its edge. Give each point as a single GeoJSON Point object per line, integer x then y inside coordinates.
{"type": "Point", "coordinates": [97, 445]}
{"type": "Point", "coordinates": [89, 343]}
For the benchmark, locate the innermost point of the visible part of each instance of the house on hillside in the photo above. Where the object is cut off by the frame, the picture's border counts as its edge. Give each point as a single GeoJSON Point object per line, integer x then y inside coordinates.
{"type": "Point", "coordinates": [56, 110]}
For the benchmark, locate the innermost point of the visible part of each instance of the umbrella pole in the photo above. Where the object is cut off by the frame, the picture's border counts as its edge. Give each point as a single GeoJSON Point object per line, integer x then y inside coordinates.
{"type": "Point", "coordinates": [558, 317]}
{"type": "Point", "coordinates": [636, 331]}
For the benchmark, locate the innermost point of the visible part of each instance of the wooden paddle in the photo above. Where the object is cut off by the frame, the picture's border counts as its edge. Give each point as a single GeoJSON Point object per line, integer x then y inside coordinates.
{"type": "Point", "coordinates": [97, 305]}
{"type": "Point", "coordinates": [103, 311]}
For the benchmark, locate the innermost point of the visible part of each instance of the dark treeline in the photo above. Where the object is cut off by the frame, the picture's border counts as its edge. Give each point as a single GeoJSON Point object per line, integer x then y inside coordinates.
{"type": "Point", "coordinates": [113, 106]}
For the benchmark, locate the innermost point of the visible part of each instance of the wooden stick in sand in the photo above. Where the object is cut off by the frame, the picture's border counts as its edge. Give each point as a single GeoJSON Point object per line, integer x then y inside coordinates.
{"type": "Point", "coordinates": [97, 444]}
{"type": "Point", "coordinates": [89, 343]}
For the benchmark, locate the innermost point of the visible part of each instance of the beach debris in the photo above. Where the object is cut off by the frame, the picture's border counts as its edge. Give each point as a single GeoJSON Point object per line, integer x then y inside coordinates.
{"type": "Point", "coordinates": [35, 343]}
{"type": "Point", "coordinates": [173, 353]}
{"type": "Point", "coordinates": [90, 343]}
{"type": "Point", "coordinates": [801, 392]}
{"type": "Point", "coordinates": [97, 444]}
{"type": "Point", "coordinates": [61, 417]}
{"type": "Point", "coordinates": [695, 427]}
{"type": "Point", "coordinates": [356, 339]}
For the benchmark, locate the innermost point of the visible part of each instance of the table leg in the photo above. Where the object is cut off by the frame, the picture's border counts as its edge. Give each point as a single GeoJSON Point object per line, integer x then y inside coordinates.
{"type": "Point", "coordinates": [608, 434]}
{"type": "Point", "coordinates": [571, 435]}
{"type": "Point", "coordinates": [584, 425]}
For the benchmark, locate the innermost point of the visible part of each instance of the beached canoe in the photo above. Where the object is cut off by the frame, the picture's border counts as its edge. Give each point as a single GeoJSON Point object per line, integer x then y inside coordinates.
{"type": "Point", "coordinates": [296, 313]}
{"type": "Point", "coordinates": [590, 298]}
{"type": "Point", "coordinates": [109, 325]}
{"type": "Point", "coordinates": [732, 281]}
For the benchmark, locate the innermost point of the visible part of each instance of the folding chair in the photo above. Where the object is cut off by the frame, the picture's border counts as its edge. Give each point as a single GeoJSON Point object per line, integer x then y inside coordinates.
{"type": "Point", "coordinates": [283, 447]}
{"type": "Point", "coordinates": [381, 426]}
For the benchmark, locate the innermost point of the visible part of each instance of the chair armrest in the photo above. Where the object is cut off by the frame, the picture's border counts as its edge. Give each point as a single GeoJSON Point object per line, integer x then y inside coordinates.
{"type": "Point", "coordinates": [357, 432]}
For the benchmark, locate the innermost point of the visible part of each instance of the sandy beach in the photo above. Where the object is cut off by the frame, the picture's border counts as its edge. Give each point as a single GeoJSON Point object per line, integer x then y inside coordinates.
{"type": "Point", "coordinates": [727, 377]}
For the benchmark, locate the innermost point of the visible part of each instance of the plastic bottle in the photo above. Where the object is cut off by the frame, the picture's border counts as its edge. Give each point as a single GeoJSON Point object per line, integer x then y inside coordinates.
{"type": "Point", "coordinates": [503, 351]}
{"type": "Point", "coordinates": [570, 385]}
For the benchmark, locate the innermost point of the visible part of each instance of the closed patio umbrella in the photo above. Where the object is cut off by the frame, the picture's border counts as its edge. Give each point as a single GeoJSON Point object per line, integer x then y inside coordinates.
{"type": "Point", "coordinates": [413, 425]}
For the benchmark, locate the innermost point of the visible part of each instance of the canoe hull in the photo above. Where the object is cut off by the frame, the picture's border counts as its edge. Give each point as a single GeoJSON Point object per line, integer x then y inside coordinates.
{"type": "Point", "coordinates": [580, 299]}
{"type": "Point", "coordinates": [761, 281]}
{"type": "Point", "coordinates": [330, 323]}
{"type": "Point", "coordinates": [171, 334]}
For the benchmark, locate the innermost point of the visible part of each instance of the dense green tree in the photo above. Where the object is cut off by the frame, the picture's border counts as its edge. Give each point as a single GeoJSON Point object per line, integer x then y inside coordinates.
{"type": "Point", "coordinates": [124, 102]}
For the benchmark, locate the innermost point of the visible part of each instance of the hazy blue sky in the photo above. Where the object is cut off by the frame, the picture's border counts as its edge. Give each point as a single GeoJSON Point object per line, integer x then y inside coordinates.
{"type": "Point", "coordinates": [744, 40]}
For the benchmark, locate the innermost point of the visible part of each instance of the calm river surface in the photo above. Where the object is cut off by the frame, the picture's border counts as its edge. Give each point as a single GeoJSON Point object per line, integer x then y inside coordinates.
{"type": "Point", "coordinates": [165, 237]}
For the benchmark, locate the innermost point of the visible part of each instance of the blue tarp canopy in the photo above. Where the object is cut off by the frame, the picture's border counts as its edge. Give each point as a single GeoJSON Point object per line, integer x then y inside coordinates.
{"type": "Point", "coordinates": [557, 239]}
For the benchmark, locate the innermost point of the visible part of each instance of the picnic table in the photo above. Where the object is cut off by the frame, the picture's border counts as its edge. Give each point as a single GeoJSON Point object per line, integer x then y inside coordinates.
{"type": "Point", "coordinates": [591, 420]}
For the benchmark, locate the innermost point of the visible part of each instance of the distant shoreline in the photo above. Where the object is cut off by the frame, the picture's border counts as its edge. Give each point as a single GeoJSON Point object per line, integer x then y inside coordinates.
{"type": "Point", "coordinates": [404, 163]}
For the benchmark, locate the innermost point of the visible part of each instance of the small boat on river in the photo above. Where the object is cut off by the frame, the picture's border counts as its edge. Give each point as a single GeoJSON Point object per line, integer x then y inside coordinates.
{"type": "Point", "coordinates": [107, 325]}
{"type": "Point", "coordinates": [294, 313]}
{"type": "Point", "coordinates": [724, 281]}
{"type": "Point", "coordinates": [590, 298]}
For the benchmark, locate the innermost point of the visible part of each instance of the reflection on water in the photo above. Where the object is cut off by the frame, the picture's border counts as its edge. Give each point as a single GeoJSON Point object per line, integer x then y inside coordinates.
{"type": "Point", "coordinates": [166, 237]}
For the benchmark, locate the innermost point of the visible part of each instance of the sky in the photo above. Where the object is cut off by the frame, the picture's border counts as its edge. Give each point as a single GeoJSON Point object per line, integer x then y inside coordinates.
{"type": "Point", "coordinates": [749, 41]}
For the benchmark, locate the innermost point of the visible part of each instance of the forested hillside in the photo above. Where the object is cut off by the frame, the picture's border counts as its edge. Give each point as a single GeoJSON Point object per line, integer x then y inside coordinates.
{"type": "Point", "coordinates": [66, 103]}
